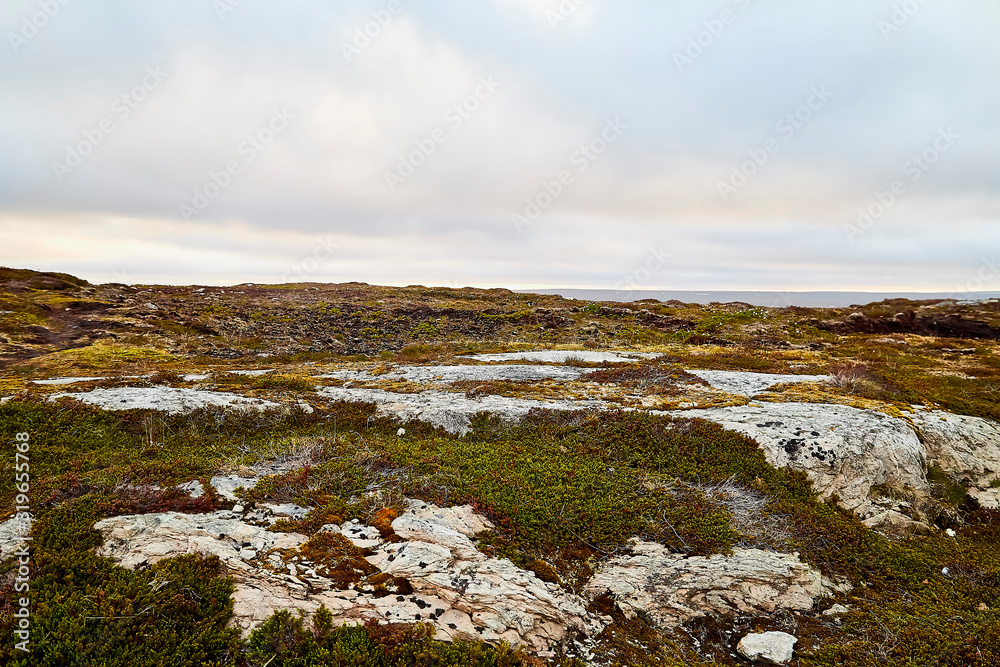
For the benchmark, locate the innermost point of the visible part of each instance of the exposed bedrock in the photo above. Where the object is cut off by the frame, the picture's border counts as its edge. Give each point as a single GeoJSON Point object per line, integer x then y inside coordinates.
{"type": "Point", "coordinates": [673, 589]}
{"type": "Point", "coordinates": [455, 587]}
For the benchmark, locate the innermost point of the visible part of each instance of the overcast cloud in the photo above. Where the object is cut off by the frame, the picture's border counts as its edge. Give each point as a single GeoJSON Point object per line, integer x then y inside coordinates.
{"type": "Point", "coordinates": [519, 143]}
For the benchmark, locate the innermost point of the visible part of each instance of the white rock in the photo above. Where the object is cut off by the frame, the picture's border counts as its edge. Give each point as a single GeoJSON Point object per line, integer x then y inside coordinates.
{"type": "Point", "coordinates": [673, 589]}
{"type": "Point", "coordinates": [363, 537]}
{"type": "Point", "coordinates": [450, 411]}
{"type": "Point", "coordinates": [225, 486]}
{"type": "Point", "coordinates": [459, 590]}
{"type": "Point", "coordinates": [776, 648]}
{"type": "Point", "coordinates": [145, 539]}
{"type": "Point", "coordinates": [836, 610]}
{"type": "Point", "coordinates": [12, 534]}
{"type": "Point", "coordinates": [751, 384]}
{"type": "Point", "coordinates": [194, 488]}
{"type": "Point", "coordinates": [468, 373]}
{"type": "Point", "coordinates": [986, 498]}
{"type": "Point", "coordinates": [290, 510]}
{"type": "Point", "coordinates": [62, 381]}
{"type": "Point", "coordinates": [894, 521]}
{"type": "Point", "coordinates": [167, 399]}
{"type": "Point", "coordinates": [562, 356]}
{"type": "Point", "coordinates": [964, 447]}
{"type": "Point", "coordinates": [843, 450]}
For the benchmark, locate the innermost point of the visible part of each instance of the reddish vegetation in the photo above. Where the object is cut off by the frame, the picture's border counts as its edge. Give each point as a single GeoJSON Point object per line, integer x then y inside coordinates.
{"type": "Point", "coordinates": [945, 325]}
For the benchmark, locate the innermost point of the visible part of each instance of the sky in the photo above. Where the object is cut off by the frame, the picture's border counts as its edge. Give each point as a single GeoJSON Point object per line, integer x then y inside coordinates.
{"type": "Point", "coordinates": [655, 144]}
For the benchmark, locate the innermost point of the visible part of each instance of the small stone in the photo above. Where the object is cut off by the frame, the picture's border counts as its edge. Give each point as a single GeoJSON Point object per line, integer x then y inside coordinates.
{"type": "Point", "coordinates": [238, 509]}
{"type": "Point", "coordinates": [773, 647]}
{"type": "Point", "coordinates": [401, 432]}
{"type": "Point", "coordinates": [836, 609]}
{"type": "Point", "coordinates": [983, 607]}
{"type": "Point", "coordinates": [248, 554]}
{"type": "Point", "coordinates": [950, 533]}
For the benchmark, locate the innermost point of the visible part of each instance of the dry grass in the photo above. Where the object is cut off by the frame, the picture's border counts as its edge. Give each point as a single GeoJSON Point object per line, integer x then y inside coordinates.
{"type": "Point", "coordinates": [857, 379]}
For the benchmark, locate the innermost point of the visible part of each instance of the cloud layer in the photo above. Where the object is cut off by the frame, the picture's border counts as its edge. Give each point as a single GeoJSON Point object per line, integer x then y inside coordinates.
{"type": "Point", "coordinates": [763, 145]}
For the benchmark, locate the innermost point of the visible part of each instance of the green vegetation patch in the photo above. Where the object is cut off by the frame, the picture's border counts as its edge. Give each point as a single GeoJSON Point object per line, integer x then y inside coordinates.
{"type": "Point", "coordinates": [564, 490]}
{"type": "Point", "coordinates": [86, 610]}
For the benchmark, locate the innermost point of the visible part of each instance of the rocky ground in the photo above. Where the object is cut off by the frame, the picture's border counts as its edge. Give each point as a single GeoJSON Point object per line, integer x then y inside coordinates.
{"type": "Point", "coordinates": [603, 484]}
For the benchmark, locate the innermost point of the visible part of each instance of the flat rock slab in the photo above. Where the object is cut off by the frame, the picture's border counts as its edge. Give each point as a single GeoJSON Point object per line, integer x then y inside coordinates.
{"type": "Point", "coordinates": [751, 384]}
{"type": "Point", "coordinates": [166, 399]}
{"type": "Point", "coordinates": [62, 381]}
{"type": "Point", "coordinates": [673, 588]}
{"type": "Point", "coordinates": [776, 648]}
{"type": "Point", "coordinates": [451, 411]}
{"type": "Point", "coordinates": [562, 356]}
{"type": "Point", "coordinates": [456, 588]}
{"type": "Point", "coordinates": [224, 485]}
{"type": "Point", "coordinates": [988, 499]}
{"type": "Point", "coordinates": [513, 372]}
{"type": "Point", "coordinates": [12, 534]}
{"type": "Point", "coordinates": [140, 540]}
{"type": "Point", "coordinates": [843, 450]}
{"type": "Point", "coordinates": [965, 447]}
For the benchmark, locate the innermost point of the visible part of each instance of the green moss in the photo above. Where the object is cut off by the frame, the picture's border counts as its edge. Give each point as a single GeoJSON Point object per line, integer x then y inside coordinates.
{"type": "Point", "coordinates": [103, 356]}
{"type": "Point", "coordinates": [950, 491]}
{"type": "Point", "coordinates": [77, 447]}
{"type": "Point", "coordinates": [564, 490]}
{"type": "Point", "coordinates": [286, 641]}
{"type": "Point", "coordinates": [425, 330]}
{"type": "Point", "coordinates": [85, 610]}
{"type": "Point", "coordinates": [724, 320]}
{"type": "Point", "coordinates": [273, 381]}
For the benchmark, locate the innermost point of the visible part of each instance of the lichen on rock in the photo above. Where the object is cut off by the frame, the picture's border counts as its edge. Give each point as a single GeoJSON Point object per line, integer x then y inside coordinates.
{"type": "Point", "coordinates": [674, 589]}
